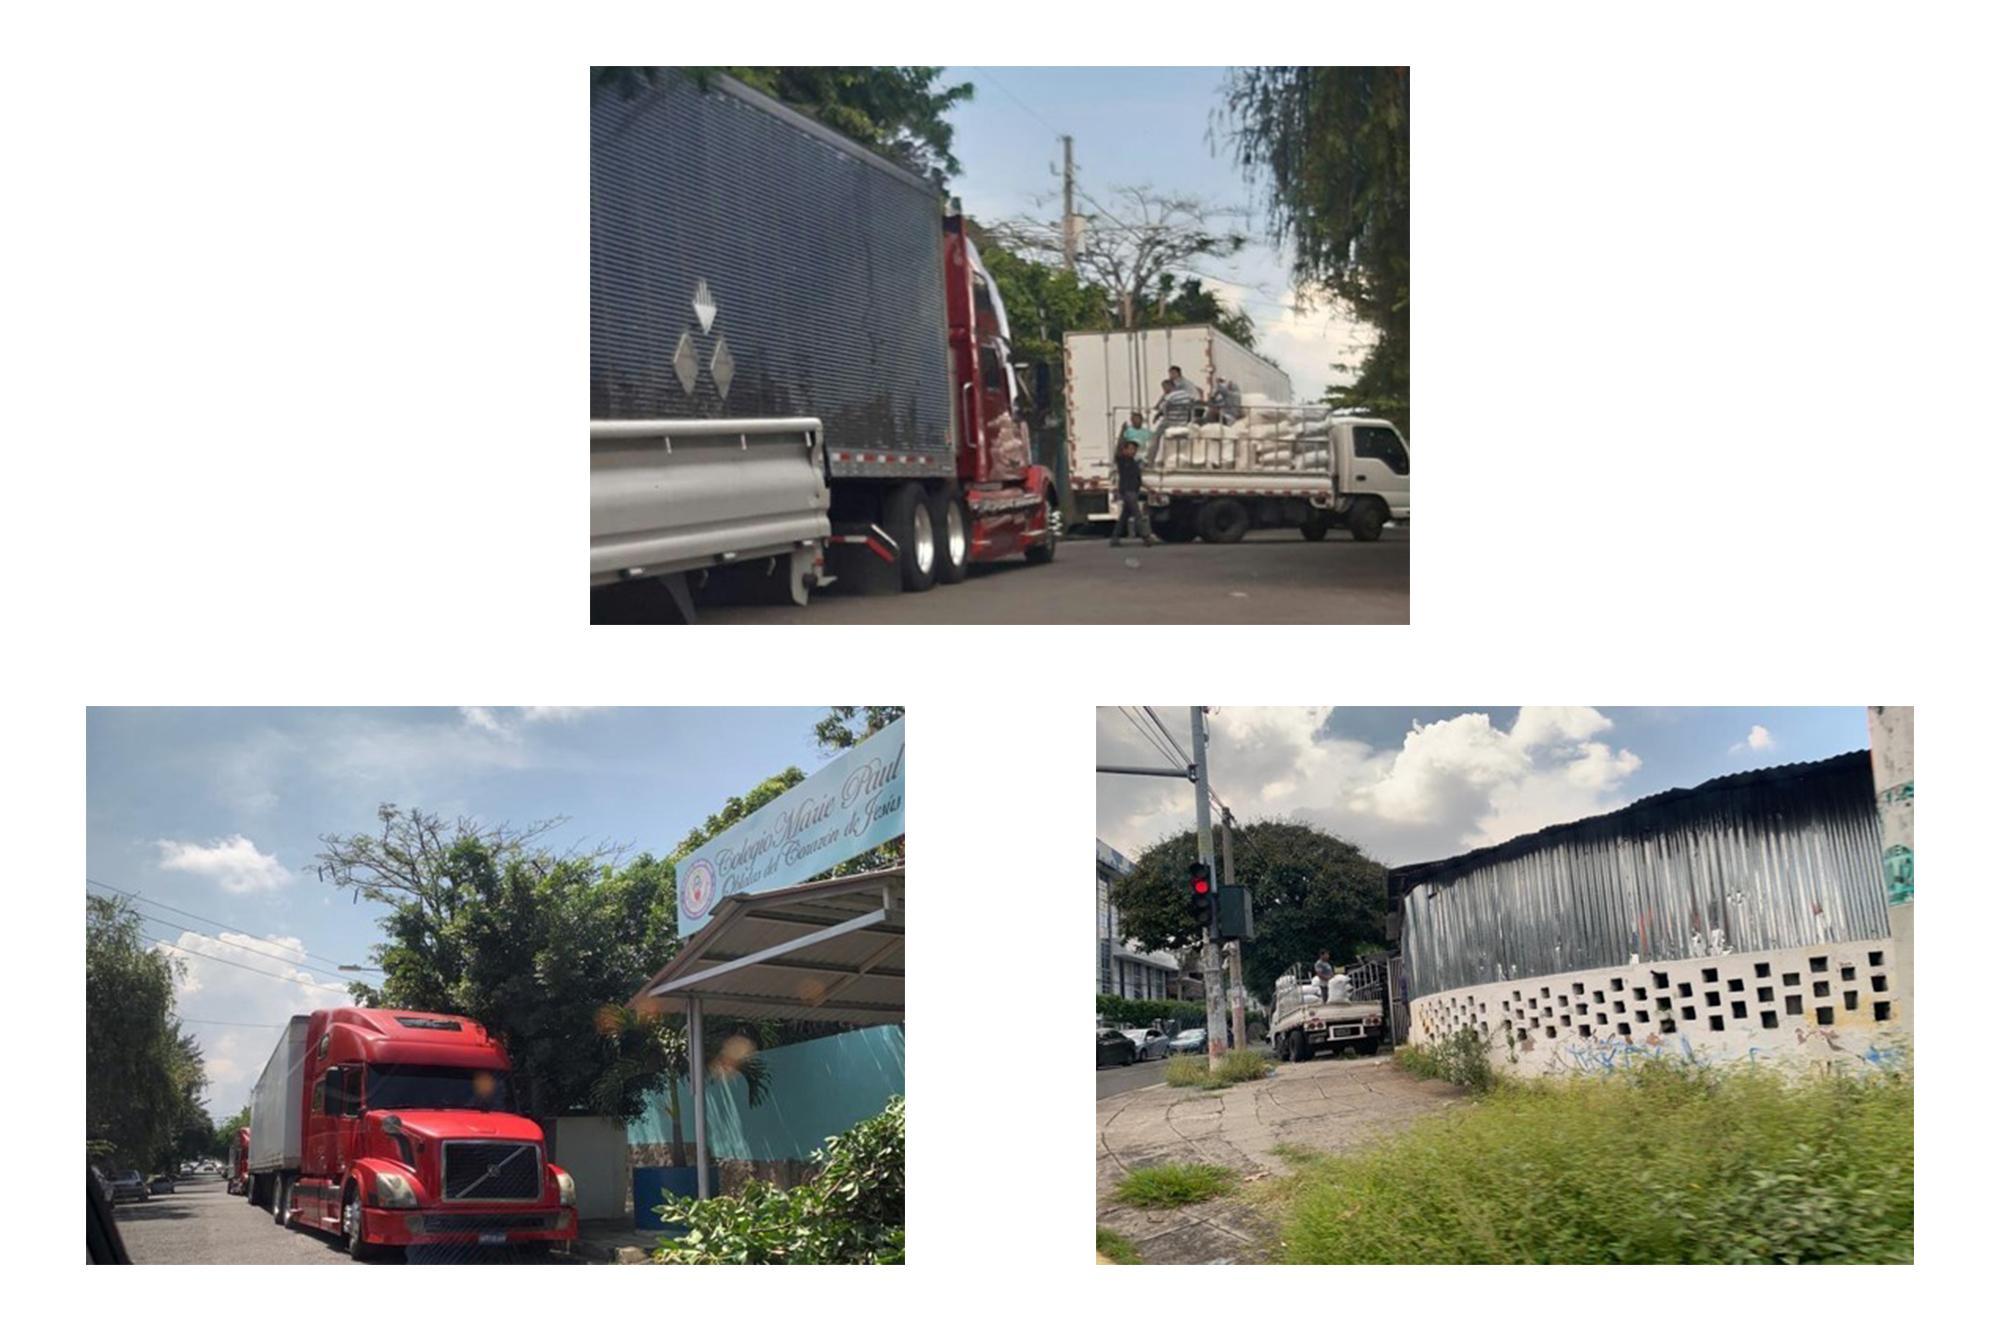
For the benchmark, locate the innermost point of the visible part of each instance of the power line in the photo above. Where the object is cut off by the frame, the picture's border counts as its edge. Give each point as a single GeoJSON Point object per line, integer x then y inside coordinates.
{"type": "Point", "coordinates": [224, 1022]}
{"type": "Point", "coordinates": [227, 962]}
{"type": "Point", "coordinates": [1160, 748]}
{"type": "Point", "coordinates": [1168, 734]}
{"type": "Point", "coordinates": [211, 921]}
{"type": "Point", "coordinates": [202, 934]}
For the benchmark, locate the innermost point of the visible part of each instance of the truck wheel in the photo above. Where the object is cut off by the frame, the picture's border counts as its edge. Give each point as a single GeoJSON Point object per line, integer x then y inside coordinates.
{"type": "Point", "coordinates": [280, 1198]}
{"type": "Point", "coordinates": [1174, 528]}
{"type": "Point", "coordinates": [1223, 521]}
{"type": "Point", "coordinates": [907, 515]}
{"type": "Point", "coordinates": [1366, 520]}
{"type": "Point", "coordinates": [350, 1226]}
{"type": "Point", "coordinates": [1314, 528]}
{"type": "Point", "coordinates": [954, 531]}
{"type": "Point", "coordinates": [1046, 551]}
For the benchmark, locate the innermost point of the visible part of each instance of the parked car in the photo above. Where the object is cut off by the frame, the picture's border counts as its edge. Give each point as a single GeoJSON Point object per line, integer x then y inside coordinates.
{"type": "Point", "coordinates": [1192, 1042]}
{"type": "Point", "coordinates": [161, 1184]}
{"type": "Point", "coordinates": [1151, 1042]}
{"type": "Point", "coordinates": [128, 1186]}
{"type": "Point", "coordinates": [1114, 1048]}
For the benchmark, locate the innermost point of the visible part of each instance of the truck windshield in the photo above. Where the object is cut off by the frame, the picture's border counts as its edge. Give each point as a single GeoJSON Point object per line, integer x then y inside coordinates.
{"type": "Point", "coordinates": [437, 1087]}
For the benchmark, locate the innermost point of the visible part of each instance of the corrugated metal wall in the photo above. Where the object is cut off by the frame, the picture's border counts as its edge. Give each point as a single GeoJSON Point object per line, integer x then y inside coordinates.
{"type": "Point", "coordinates": [1759, 865]}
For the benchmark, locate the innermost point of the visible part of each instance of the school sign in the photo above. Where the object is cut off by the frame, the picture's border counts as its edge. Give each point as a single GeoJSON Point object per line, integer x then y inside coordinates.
{"type": "Point", "coordinates": [853, 804]}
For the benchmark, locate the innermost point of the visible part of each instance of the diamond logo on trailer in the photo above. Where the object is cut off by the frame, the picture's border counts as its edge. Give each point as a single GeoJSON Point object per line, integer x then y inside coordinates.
{"type": "Point", "coordinates": [686, 364]}
{"type": "Point", "coordinates": [704, 305]}
{"type": "Point", "coordinates": [697, 890]}
{"type": "Point", "coordinates": [722, 366]}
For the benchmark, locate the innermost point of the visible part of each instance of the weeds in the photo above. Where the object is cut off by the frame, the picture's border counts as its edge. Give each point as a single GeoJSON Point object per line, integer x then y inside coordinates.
{"type": "Point", "coordinates": [1459, 1059]}
{"type": "Point", "coordinates": [1191, 1071]}
{"type": "Point", "coordinates": [1116, 1248]}
{"type": "Point", "coordinates": [1666, 1164]}
{"type": "Point", "coordinates": [1175, 1184]}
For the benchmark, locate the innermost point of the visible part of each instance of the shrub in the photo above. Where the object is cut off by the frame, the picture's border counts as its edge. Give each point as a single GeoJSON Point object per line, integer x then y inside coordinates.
{"type": "Point", "coordinates": [1119, 1012]}
{"type": "Point", "coordinates": [849, 1212]}
{"type": "Point", "coordinates": [1174, 1184]}
{"type": "Point", "coordinates": [1459, 1058]}
{"type": "Point", "coordinates": [1667, 1163]}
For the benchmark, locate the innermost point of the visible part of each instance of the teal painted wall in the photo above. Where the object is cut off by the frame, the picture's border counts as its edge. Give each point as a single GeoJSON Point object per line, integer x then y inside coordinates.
{"type": "Point", "coordinates": [817, 1089]}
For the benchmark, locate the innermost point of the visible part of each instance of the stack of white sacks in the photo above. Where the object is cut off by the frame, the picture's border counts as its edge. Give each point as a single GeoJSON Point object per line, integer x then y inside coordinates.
{"type": "Point", "coordinates": [1270, 437]}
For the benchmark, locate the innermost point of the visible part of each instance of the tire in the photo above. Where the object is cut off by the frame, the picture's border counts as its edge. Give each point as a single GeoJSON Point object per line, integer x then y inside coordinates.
{"type": "Point", "coordinates": [1126, 1061]}
{"type": "Point", "coordinates": [1314, 528]}
{"type": "Point", "coordinates": [1042, 554]}
{"type": "Point", "coordinates": [1366, 520]}
{"type": "Point", "coordinates": [1223, 521]}
{"type": "Point", "coordinates": [279, 1200]}
{"type": "Point", "coordinates": [350, 1226]}
{"type": "Point", "coordinates": [907, 516]}
{"type": "Point", "coordinates": [1174, 529]}
{"type": "Point", "coordinates": [954, 529]}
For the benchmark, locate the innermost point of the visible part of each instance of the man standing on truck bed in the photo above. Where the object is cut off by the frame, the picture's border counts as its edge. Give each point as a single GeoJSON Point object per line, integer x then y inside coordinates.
{"type": "Point", "coordinates": [1131, 487]}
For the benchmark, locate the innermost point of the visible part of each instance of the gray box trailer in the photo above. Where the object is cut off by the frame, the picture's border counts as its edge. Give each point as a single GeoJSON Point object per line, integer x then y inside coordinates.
{"type": "Point", "coordinates": [277, 1103]}
{"type": "Point", "coordinates": [768, 352]}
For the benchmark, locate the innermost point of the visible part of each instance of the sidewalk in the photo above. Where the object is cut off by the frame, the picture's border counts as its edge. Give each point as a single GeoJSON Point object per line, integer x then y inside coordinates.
{"type": "Point", "coordinates": [612, 1240]}
{"type": "Point", "coordinates": [1326, 1105]}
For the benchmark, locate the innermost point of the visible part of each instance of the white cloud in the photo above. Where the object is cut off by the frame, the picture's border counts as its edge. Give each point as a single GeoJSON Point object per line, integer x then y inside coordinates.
{"type": "Point", "coordinates": [253, 988]}
{"type": "Point", "coordinates": [1454, 784]}
{"type": "Point", "coordinates": [233, 862]}
{"type": "Point", "coordinates": [500, 722]}
{"type": "Point", "coordinates": [1758, 739]}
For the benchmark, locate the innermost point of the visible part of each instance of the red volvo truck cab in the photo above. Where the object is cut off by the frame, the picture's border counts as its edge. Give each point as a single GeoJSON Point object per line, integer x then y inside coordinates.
{"type": "Point", "coordinates": [239, 1162]}
{"type": "Point", "coordinates": [393, 1128]}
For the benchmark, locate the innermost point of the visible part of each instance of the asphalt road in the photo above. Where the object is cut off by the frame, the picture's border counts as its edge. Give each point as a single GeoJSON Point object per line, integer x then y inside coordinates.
{"type": "Point", "coordinates": [200, 1223]}
{"type": "Point", "coordinates": [1269, 578]}
{"type": "Point", "coordinates": [1115, 1079]}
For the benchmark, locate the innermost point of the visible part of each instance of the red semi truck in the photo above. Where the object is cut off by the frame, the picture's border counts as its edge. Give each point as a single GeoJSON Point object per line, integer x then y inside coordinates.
{"type": "Point", "coordinates": [797, 361]}
{"type": "Point", "coordinates": [239, 1162]}
{"type": "Point", "coordinates": [394, 1128]}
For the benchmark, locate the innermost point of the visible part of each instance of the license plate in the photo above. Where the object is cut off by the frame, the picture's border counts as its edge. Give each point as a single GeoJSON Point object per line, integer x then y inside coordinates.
{"type": "Point", "coordinates": [492, 1238]}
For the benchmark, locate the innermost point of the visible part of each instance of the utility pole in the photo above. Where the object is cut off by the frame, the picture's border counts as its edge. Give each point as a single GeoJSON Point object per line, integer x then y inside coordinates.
{"type": "Point", "coordinates": [1238, 1025]}
{"type": "Point", "coordinates": [1204, 841]}
{"type": "Point", "coordinates": [1069, 207]}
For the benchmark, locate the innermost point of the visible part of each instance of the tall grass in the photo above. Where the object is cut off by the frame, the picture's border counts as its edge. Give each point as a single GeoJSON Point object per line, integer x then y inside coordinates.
{"type": "Point", "coordinates": [1460, 1058]}
{"type": "Point", "coordinates": [1192, 1071]}
{"type": "Point", "coordinates": [1174, 1184]}
{"type": "Point", "coordinates": [1666, 1164]}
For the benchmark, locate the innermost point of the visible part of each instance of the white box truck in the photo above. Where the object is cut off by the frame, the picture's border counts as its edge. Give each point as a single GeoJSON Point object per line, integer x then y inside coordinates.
{"type": "Point", "coordinates": [1109, 375]}
{"type": "Point", "coordinates": [276, 1101]}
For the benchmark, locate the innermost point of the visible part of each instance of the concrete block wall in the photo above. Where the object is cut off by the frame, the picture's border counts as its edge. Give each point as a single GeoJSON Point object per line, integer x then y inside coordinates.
{"type": "Point", "coordinates": [1836, 1004]}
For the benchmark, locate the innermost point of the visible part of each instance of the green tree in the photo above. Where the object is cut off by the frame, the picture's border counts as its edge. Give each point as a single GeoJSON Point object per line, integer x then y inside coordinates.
{"type": "Point", "coordinates": [1309, 890]}
{"type": "Point", "coordinates": [838, 730]}
{"type": "Point", "coordinates": [898, 110]}
{"type": "Point", "coordinates": [484, 921]}
{"type": "Point", "coordinates": [225, 1135]}
{"type": "Point", "coordinates": [1332, 145]}
{"type": "Point", "coordinates": [143, 1076]}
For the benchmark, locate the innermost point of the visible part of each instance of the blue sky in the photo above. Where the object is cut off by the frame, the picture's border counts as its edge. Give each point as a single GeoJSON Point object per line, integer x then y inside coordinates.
{"type": "Point", "coordinates": [1133, 127]}
{"type": "Point", "coordinates": [1410, 784]}
{"type": "Point", "coordinates": [218, 812]}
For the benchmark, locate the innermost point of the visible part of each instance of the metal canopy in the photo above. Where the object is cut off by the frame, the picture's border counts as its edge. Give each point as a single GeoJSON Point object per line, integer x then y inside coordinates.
{"type": "Point", "coordinates": [830, 950]}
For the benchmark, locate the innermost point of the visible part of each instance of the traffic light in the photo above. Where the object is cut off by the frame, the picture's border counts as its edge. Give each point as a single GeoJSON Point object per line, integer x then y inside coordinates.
{"type": "Point", "coordinates": [1201, 895]}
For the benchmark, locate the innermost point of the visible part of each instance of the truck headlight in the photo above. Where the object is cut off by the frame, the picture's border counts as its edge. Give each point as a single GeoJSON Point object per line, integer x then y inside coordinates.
{"type": "Point", "coordinates": [394, 1191]}
{"type": "Point", "coordinates": [565, 1188]}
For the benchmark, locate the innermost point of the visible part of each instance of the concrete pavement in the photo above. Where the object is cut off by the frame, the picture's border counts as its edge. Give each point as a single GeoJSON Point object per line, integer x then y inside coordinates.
{"type": "Point", "coordinates": [1325, 1105]}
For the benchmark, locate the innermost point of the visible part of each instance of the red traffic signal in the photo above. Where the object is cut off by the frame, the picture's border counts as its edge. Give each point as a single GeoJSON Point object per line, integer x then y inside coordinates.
{"type": "Point", "coordinates": [1201, 895]}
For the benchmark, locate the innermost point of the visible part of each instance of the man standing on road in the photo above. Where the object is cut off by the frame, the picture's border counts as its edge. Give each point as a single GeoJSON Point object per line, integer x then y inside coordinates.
{"type": "Point", "coordinates": [1131, 488]}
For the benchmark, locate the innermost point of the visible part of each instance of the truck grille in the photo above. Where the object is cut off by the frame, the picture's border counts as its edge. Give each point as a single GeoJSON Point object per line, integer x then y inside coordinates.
{"type": "Point", "coordinates": [482, 1170]}
{"type": "Point", "coordinates": [443, 1224]}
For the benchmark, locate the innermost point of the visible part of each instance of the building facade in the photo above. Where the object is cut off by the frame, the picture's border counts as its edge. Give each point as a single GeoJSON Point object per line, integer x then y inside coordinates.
{"type": "Point", "coordinates": [1122, 967]}
{"type": "Point", "coordinates": [1744, 919]}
